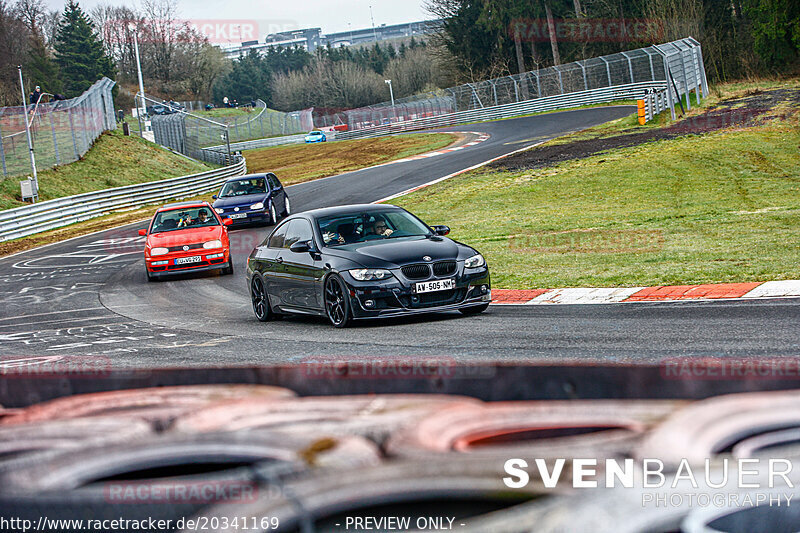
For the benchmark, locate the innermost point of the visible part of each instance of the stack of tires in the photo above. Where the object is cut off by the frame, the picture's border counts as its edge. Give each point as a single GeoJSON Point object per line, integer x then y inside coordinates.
{"type": "Point", "coordinates": [315, 463]}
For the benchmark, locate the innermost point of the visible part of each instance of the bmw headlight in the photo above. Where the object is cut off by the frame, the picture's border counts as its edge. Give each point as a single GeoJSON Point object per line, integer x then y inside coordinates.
{"type": "Point", "coordinates": [370, 274]}
{"type": "Point", "coordinates": [257, 205]}
{"type": "Point", "coordinates": [219, 210]}
{"type": "Point", "coordinates": [212, 244]}
{"type": "Point", "coordinates": [159, 251]}
{"type": "Point", "coordinates": [476, 261]}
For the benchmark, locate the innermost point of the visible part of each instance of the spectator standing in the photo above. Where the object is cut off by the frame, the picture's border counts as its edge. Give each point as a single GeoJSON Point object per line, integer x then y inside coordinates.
{"type": "Point", "coordinates": [36, 95]}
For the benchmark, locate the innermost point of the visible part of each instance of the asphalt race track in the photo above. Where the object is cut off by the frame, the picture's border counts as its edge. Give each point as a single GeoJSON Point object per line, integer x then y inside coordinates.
{"type": "Point", "coordinates": [89, 296]}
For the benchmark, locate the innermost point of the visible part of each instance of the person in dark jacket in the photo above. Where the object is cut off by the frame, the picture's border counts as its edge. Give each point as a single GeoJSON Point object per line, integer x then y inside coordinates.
{"type": "Point", "coordinates": [36, 95]}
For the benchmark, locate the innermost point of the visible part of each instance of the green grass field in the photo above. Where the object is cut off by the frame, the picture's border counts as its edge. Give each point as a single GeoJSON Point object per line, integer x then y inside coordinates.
{"type": "Point", "coordinates": [304, 162]}
{"type": "Point", "coordinates": [721, 207]}
{"type": "Point", "coordinates": [113, 161]}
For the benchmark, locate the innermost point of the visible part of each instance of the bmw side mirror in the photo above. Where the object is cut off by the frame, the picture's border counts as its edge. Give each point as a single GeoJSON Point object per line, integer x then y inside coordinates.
{"type": "Point", "coordinates": [213, 196]}
{"type": "Point", "coordinates": [142, 232]}
{"type": "Point", "coordinates": [300, 247]}
{"type": "Point", "coordinates": [440, 230]}
{"type": "Point", "coordinates": [227, 221]}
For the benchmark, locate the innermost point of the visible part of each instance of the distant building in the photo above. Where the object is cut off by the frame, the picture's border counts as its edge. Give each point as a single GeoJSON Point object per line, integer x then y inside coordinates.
{"type": "Point", "coordinates": [312, 38]}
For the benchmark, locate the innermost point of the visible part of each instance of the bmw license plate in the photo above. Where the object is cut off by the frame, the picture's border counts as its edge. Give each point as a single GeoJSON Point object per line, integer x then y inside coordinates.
{"type": "Point", "coordinates": [436, 285]}
{"type": "Point", "coordinates": [238, 215]}
{"type": "Point", "coordinates": [186, 260]}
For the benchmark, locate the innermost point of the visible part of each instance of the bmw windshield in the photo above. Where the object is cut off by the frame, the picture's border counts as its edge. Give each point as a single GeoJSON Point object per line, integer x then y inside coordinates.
{"type": "Point", "coordinates": [375, 225]}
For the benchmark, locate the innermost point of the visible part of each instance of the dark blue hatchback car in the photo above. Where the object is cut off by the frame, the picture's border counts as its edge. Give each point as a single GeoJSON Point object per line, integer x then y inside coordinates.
{"type": "Point", "coordinates": [252, 199]}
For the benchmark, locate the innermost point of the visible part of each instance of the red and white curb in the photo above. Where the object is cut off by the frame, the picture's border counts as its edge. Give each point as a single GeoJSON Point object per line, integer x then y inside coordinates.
{"type": "Point", "coordinates": [480, 138]}
{"type": "Point", "coordinates": [659, 293]}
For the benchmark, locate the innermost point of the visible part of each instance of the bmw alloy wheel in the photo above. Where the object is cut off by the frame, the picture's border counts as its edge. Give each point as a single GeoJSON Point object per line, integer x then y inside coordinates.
{"type": "Point", "coordinates": [258, 295]}
{"type": "Point", "coordinates": [336, 304]}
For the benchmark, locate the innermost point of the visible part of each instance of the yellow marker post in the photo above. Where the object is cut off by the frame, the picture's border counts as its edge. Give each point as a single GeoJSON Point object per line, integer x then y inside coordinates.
{"type": "Point", "coordinates": [642, 118]}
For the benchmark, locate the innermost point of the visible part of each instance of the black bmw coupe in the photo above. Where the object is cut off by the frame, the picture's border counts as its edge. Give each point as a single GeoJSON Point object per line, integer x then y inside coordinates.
{"type": "Point", "coordinates": [364, 261]}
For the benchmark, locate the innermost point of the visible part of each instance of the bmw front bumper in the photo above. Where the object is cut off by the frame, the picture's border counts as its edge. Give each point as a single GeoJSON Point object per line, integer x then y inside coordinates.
{"type": "Point", "coordinates": [397, 298]}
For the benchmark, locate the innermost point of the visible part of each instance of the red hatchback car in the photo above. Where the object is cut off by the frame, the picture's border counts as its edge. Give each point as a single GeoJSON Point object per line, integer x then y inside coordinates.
{"type": "Point", "coordinates": [186, 237]}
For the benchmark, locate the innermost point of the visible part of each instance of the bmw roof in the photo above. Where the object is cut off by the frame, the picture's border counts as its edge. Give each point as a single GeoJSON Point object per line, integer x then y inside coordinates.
{"type": "Point", "coordinates": [343, 209]}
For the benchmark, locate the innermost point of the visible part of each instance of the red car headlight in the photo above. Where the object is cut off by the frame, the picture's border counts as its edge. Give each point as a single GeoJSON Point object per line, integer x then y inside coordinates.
{"type": "Point", "coordinates": [158, 251]}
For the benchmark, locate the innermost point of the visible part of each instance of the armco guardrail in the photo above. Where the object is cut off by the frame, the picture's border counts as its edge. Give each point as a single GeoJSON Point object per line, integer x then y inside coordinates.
{"type": "Point", "coordinates": [549, 103]}
{"type": "Point", "coordinates": [43, 216]}
{"type": "Point", "coordinates": [271, 141]}
{"type": "Point", "coordinates": [654, 103]}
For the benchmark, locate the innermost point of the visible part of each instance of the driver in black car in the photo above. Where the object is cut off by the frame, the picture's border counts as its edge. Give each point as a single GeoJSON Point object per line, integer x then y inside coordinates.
{"type": "Point", "coordinates": [379, 228]}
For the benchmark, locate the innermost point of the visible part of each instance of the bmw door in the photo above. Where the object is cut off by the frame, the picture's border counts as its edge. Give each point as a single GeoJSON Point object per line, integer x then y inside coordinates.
{"type": "Point", "coordinates": [303, 269]}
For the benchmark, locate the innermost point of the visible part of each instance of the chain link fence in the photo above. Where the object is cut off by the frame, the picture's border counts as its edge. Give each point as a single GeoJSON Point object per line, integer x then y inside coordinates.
{"type": "Point", "coordinates": [680, 63]}
{"type": "Point", "coordinates": [209, 140]}
{"type": "Point", "coordinates": [62, 131]}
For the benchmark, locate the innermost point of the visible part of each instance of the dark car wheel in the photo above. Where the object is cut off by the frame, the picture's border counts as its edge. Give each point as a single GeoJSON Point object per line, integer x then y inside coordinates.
{"type": "Point", "coordinates": [337, 304]}
{"type": "Point", "coordinates": [228, 270]}
{"type": "Point", "coordinates": [258, 294]}
{"type": "Point", "coordinates": [474, 310]}
{"type": "Point", "coordinates": [150, 277]}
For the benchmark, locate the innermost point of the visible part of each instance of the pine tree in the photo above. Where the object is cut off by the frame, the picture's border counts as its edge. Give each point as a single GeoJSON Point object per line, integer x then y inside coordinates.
{"type": "Point", "coordinates": [40, 68]}
{"type": "Point", "coordinates": [79, 52]}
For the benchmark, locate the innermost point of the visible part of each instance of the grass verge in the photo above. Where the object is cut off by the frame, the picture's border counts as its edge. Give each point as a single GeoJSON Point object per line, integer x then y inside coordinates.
{"type": "Point", "coordinates": [718, 207]}
{"type": "Point", "coordinates": [113, 161]}
{"type": "Point", "coordinates": [304, 162]}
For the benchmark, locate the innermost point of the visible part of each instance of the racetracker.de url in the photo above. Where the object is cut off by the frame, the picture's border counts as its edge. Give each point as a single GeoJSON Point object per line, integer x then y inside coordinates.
{"type": "Point", "coordinates": [44, 523]}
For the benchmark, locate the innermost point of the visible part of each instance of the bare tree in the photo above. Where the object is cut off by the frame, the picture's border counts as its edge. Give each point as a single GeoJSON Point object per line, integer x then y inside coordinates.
{"type": "Point", "coordinates": [31, 13]}
{"type": "Point", "coordinates": [14, 46]}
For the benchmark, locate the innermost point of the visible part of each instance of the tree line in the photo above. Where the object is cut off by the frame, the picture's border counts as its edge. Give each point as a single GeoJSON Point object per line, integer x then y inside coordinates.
{"type": "Point", "coordinates": [740, 38]}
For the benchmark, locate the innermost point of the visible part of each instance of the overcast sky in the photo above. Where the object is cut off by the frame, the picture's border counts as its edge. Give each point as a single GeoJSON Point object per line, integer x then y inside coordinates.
{"type": "Point", "coordinates": [331, 16]}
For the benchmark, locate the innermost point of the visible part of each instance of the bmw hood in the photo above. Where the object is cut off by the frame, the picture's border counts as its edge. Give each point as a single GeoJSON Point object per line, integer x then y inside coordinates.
{"type": "Point", "coordinates": [246, 200]}
{"type": "Point", "coordinates": [393, 253]}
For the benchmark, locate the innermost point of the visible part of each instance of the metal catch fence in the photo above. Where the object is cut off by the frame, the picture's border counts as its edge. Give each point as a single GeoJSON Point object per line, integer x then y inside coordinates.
{"type": "Point", "coordinates": [209, 140]}
{"type": "Point", "coordinates": [62, 130]}
{"type": "Point", "coordinates": [679, 64]}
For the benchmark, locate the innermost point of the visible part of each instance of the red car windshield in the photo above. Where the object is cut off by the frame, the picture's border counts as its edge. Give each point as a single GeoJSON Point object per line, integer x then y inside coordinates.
{"type": "Point", "coordinates": [176, 219]}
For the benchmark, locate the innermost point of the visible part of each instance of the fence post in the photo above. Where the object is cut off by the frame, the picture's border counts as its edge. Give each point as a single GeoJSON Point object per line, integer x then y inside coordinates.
{"type": "Point", "coordinates": [630, 65]}
{"type": "Point", "coordinates": [72, 131]}
{"type": "Point", "coordinates": [665, 65]}
{"type": "Point", "coordinates": [55, 142]}
{"type": "Point", "coordinates": [685, 79]}
{"type": "Point", "coordinates": [608, 69]}
{"type": "Point", "coordinates": [3, 154]}
{"type": "Point", "coordinates": [560, 80]}
{"type": "Point", "coordinates": [585, 81]}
